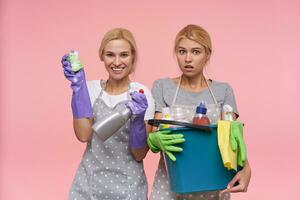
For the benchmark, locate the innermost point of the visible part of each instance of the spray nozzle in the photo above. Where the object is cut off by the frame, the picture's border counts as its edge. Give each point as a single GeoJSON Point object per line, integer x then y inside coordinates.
{"type": "Point", "coordinates": [134, 86]}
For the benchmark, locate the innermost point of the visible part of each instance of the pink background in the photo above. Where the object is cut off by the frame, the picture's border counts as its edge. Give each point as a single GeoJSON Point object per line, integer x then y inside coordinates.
{"type": "Point", "coordinates": [256, 49]}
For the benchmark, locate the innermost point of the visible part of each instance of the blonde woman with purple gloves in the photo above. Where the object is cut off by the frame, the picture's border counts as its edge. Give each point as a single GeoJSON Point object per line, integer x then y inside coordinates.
{"type": "Point", "coordinates": [112, 169]}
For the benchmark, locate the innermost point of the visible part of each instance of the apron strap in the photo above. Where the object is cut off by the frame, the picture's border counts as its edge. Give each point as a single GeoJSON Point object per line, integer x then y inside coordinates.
{"type": "Point", "coordinates": [103, 87]}
{"type": "Point", "coordinates": [212, 94]}
{"type": "Point", "coordinates": [176, 92]}
{"type": "Point", "coordinates": [178, 86]}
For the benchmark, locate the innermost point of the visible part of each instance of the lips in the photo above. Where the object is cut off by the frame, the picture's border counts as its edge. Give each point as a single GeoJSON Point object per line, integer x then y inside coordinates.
{"type": "Point", "coordinates": [188, 67]}
{"type": "Point", "coordinates": [117, 69]}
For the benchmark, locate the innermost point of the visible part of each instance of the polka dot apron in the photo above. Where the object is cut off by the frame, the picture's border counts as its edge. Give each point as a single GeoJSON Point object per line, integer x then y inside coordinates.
{"type": "Point", "coordinates": [108, 170]}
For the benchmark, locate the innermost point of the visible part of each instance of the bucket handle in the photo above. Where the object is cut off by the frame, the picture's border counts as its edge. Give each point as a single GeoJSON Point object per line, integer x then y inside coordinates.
{"type": "Point", "coordinates": [157, 122]}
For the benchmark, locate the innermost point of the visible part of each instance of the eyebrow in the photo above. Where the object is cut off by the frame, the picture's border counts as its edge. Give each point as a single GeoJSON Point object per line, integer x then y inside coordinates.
{"type": "Point", "coordinates": [114, 52]}
{"type": "Point", "coordinates": [194, 48]}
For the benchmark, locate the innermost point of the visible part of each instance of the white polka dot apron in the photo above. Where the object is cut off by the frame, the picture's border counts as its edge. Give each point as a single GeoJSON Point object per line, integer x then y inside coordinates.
{"type": "Point", "coordinates": [108, 170]}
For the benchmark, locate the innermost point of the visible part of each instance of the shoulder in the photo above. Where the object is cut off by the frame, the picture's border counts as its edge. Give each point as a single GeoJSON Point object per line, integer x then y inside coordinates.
{"type": "Point", "coordinates": [94, 89]}
{"type": "Point", "coordinates": [222, 88]}
{"type": "Point", "coordinates": [93, 84]}
{"type": "Point", "coordinates": [163, 84]}
{"type": "Point", "coordinates": [162, 81]}
{"type": "Point", "coordinates": [221, 85]}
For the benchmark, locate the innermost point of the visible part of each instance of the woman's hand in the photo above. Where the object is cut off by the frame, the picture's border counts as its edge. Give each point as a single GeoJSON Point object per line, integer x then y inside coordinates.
{"type": "Point", "coordinates": [81, 105]}
{"type": "Point", "coordinates": [138, 106]}
{"type": "Point", "coordinates": [242, 179]}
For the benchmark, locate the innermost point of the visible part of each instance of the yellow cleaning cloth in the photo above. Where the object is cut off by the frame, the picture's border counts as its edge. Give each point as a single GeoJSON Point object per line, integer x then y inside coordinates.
{"type": "Point", "coordinates": [229, 157]}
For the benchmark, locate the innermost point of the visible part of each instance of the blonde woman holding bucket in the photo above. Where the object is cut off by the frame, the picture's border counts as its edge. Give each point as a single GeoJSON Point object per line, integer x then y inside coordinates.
{"type": "Point", "coordinates": [193, 50]}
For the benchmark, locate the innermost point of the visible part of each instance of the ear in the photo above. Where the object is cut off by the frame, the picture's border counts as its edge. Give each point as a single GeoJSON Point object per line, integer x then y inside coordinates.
{"type": "Point", "coordinates": [207, 58]}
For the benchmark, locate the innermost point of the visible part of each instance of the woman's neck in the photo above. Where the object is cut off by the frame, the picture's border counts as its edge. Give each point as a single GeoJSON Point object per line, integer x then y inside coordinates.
{"type": "Point", "coordinates": [116, 87]}
{"type": "Point", "coordinates": [194, 84]}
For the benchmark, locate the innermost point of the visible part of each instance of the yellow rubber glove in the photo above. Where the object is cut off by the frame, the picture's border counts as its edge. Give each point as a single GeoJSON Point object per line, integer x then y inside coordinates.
{"type": "Point", "coordinates": [229, 156]}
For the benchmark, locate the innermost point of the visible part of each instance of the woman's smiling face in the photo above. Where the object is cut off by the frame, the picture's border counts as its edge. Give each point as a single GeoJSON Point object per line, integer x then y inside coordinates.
{"type": "Point", "coordinates": [118, 59]}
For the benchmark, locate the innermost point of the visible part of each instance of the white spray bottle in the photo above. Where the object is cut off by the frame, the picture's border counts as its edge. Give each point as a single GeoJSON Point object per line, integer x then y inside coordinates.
{"type": "Point", "coordinates": [109, 125]}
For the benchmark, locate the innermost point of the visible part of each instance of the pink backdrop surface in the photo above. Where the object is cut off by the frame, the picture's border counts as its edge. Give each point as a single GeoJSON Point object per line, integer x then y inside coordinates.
{"type": "Point", "coordinates": [256, 50]}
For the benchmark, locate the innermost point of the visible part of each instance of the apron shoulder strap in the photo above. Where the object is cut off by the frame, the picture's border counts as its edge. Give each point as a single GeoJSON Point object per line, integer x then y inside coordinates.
{"type": "Point", "coordinates": [176, 92]}
{"type": "Point", "coordinates": [178, 86]}
{"type": "Point", "coordinates": [212, 94]}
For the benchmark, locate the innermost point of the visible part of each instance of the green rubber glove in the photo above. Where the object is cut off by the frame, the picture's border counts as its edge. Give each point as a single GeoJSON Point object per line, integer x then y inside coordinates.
{"type": "Point", "coordinates": [163, 141]}
{"type": "Point", "coordinates": [237, 141]}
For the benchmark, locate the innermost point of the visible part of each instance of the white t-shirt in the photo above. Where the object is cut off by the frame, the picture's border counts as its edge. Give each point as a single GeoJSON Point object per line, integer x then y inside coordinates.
{"type": "Point", "coordinates": [94, 88]}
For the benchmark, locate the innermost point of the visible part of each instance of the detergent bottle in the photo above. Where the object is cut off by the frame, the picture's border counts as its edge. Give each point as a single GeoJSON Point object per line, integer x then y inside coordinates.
{"type": "Point", "coordinates": [166, 115]}
{"type": "Point", "coordinates": [200, 117]}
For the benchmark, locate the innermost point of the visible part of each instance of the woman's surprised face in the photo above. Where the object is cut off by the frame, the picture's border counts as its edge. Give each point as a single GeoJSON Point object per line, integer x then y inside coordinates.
{"type": "Point", "coordinates": [191, 57]}
{"type": "Point", "coordinates": [118, 59]}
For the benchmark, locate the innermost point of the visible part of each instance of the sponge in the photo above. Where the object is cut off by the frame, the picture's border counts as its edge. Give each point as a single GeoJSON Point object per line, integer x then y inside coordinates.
{"type": "Point", "coordinates": [73, 58]}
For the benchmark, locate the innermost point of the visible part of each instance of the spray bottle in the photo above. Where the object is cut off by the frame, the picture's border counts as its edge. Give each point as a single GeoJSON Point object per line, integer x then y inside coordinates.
{"type": "Point", "coordinates": [228, 112]}
{"type": "Point", "coordinates": [109, 125]}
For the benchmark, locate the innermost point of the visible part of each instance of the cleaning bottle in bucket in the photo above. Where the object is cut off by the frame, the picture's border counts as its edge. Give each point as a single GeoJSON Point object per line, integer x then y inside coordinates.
{"type": "Point", "coordinates": [166, 115]}
{"type": "Point", "coordinates": [228, 112]}
{"type": "Point", "coordinates": [200, 117]}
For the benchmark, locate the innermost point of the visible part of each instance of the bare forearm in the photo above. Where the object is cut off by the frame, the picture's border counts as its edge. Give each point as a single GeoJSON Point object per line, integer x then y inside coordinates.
{"type": "Point", "coordinates": [247, 166]}
{"type": "Point", "coordinates": [83, 128]}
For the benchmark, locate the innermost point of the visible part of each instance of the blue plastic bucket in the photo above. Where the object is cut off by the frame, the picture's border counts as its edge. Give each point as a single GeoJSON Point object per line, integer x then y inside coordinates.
{"type": "Point", "coordinates": [199, 167]}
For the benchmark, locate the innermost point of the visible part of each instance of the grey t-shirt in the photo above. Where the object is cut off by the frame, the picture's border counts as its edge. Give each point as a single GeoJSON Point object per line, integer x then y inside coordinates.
{"type": "Point", "coordinates": [163, 92]}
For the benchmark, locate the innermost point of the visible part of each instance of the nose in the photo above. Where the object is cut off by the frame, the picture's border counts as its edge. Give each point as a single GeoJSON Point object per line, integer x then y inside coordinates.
{"type": "Point", "coordinates": [117, 61]}
{"type": "Point", "coordinates": [188, 58]}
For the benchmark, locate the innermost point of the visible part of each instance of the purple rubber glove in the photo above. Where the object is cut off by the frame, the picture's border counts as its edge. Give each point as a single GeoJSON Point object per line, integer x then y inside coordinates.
{"type": "Point", "coordinates": [138, 107]}
{"type": "Point", "coordinates": [81, 105]}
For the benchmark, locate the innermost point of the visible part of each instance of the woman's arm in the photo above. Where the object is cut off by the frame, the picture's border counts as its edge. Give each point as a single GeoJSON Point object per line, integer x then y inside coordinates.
{"type": "Point", "coordinates": [139, 128]}
{"type": "Point", "coordinates": [140, 154]}
{"type": "Point", "coordinates": [80, 103]}
{"type": "Point", "coordinates": [83, 128]}
{"type": "Point", "coordinates": [242, 177]}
